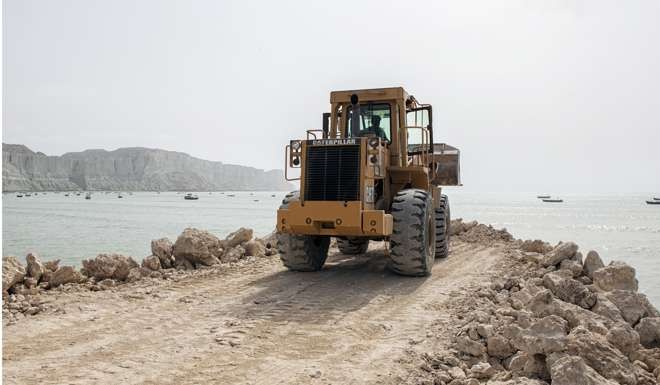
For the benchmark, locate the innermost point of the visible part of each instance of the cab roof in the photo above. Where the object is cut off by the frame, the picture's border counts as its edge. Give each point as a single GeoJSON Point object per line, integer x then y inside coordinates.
{"type": "Point", "coordinates": [373, 94]}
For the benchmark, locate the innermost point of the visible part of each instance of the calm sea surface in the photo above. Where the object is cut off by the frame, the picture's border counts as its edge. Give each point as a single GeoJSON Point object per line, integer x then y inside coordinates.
{"type": "Point", "coordinates": [620, 227]}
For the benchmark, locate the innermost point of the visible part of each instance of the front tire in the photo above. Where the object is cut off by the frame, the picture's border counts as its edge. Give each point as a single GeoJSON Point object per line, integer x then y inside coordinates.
{"type": "Point", "coordinates": [412, 244]}
{"type": "Point", "coordinates": [301, 252]}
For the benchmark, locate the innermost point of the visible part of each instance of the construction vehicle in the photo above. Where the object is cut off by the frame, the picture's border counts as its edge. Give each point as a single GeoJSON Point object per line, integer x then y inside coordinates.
{"type": "Point", "coordinates": [372, 172]}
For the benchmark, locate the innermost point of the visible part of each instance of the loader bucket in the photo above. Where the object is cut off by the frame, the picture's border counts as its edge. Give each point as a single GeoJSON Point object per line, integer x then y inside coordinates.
{"type": "Point", "coordinates": [447, 171]}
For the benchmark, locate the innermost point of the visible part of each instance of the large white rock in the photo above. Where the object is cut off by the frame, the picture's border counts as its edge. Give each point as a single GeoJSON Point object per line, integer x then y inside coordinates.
{"type": "Point", "coordinates": [237, 237]}
{"type": "Point", "coordinates": [598, 353]}
{"type": "Point", "coordinates": [151, 262]}
{"type": "Point", "coordinates": [544, 336]}
{"type": "Point", "coordinates": [114, 266]}
{"type": "Point", "coordinates": [571, 370]}
{"type": "Point", "coordinates": [255, 248]}
{"type": "Point", "coordinates": [35, 268]}
{"type": "Point", "coordinates": [569, 290]}
{"type": "Point", "coordinates": [64, 275]}
{"type": "Point", "coordinates": [197, 247]}
{"type": "Point", "coordinates": [623, 337]}
{"type": "Point", "coordinates": [466, 345]}
{"type": "Point", "coordinates": [616, 276]}
{"type": "Point", "coordinates": [498, 346]}
{"type": "Point", "coordinates": [52, 265]}
{"type": "Point", "coordinates": [649, 332]}
{"type": "Point", "coordinates": [606, 308]}
{"type": "Point", "coordinates": [563, 251]}
{"type": "Point", "coordinates": [633, 306]}
{"type": "Point", "coordinates": [592, 263]}
{"type": "Point", "coordinates": [12, 272]}
{"type": "Point", "coordinates": [164, 250]}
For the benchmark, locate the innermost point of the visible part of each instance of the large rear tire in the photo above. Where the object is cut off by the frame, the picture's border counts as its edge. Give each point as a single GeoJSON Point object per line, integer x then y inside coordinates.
{"type": "Point", "coordinates": [412, 244]}
{"type": "Point", "coordinates": [352, 246]}
{"type": "Point", "coordinates": [301, 252]}
{"type": "Point", "coordinates": [442, 221]}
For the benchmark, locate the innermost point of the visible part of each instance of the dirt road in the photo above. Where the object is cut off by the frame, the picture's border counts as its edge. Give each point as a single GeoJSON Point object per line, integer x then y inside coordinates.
{"type": "Point", "coordinates": [353, 322]}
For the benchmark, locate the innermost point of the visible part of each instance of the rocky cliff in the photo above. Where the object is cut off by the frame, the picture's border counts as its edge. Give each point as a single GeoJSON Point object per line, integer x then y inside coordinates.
{"type": "Point", "coordinates": [128, 169]}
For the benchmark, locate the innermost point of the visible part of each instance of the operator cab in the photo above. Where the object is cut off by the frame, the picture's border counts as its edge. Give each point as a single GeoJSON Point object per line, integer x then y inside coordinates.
{"type": "Point", "coordinates": [374, 120]}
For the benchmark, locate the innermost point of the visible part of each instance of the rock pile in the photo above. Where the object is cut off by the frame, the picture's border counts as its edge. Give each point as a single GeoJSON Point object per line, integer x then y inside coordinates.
{"type": "Point", "coordinates": [477, 232]}
{"type": "Point", "coordinates": [196, 248]}
{"type": "Point", "coordinates": [22, 284]}
{"type": "Point", "coordinates": [552, 318]}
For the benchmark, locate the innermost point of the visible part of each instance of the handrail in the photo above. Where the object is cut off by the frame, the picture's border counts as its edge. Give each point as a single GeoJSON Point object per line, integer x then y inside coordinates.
{"type": "Point", "coordinates": [312, 133]}
{"type": "Point", "coordinates": [423, 156]}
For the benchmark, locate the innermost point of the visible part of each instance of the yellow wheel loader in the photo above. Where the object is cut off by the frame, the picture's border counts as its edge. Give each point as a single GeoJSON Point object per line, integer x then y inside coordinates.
{"type": "Point", "coordinates": [372, 172]}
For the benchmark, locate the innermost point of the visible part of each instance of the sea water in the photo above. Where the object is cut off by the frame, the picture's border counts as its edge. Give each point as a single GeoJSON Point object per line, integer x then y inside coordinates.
{"type": "Point", "coordinates": [618, 227]}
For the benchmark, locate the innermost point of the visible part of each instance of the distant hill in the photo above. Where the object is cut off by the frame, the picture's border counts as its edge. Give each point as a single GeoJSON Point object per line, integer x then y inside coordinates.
{"type": "Point", "coordinates": [132, 168]}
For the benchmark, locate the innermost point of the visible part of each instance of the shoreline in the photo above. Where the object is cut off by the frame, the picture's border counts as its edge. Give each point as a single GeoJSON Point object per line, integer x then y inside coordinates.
{"type": "Point", "coordinates": [498, 309]}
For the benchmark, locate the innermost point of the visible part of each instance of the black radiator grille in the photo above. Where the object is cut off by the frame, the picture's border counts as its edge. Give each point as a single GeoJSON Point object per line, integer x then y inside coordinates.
{"type": "Point", "coordinates": [332, 173]}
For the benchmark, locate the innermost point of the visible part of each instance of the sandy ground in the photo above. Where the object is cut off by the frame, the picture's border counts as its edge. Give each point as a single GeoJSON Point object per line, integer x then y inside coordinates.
{"type": "Point", "coordinates": [351, 323]}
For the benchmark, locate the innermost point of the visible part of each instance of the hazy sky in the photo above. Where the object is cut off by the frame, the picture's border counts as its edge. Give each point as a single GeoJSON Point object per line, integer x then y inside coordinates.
{"type": "Point", "coordinates": [542, 96]}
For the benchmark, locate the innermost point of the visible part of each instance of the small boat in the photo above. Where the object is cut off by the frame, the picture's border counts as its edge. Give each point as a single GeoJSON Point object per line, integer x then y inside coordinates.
{"type": "Point", "coordinates": [78, 193]}
{"type": "Point", "coordinates": [273, 195]}
{"type": "Point", "coordinates": [66, 195]}
{"type": "Point", "coordinates": [543, 196]}
{"type": "Point", "coordinates": [653, 202]}
{"type": "Point", "coordinates": [19, 195]}
{"type": "Point", "coordinates": [120, 196]}
{"type": "Point", "coordinates": [656, 199]}
{"type": "Point", "coordinates": [190, 197]}
{"type": "Point", "coordinates": [28, 194]}
{"type": "Point", "coordinates": [231, 195]}
{"type": "Point", "coordinates": [88, 195]}
{"type": "Point", "coordinates": [256, 200]}
{"type": "Point", "coordinates": [553, 200]}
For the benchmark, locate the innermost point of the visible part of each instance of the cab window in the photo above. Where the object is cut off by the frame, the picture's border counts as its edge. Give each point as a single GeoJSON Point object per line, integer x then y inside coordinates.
{"type": "Point", "coordinates": [374, 119]}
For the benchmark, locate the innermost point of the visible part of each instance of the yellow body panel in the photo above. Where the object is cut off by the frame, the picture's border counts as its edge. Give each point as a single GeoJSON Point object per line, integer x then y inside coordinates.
{"type": "Point", "coordinates": [334, 218]}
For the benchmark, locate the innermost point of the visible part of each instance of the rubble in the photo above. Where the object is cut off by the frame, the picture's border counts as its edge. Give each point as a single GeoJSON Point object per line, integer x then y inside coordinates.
{"type": "Point", "coordinates": [559, 320]}
{"type": "Point", "coordinates": [536, 246]}
{"type": "Point", "coordinates": [474, 232]}
{"type": "Point", "coordinates": [194, 249]}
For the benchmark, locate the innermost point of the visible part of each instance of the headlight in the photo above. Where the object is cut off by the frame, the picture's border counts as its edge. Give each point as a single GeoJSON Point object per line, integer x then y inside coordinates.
{"type": "Point", "coordinates": [295, 145]}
